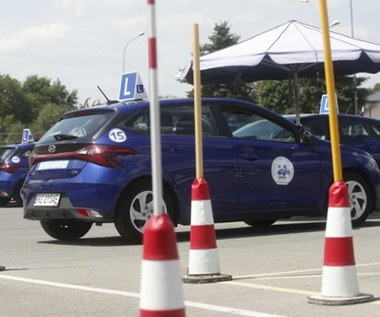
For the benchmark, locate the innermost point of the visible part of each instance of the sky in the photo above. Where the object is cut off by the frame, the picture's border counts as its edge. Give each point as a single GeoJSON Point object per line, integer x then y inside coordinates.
{"type": "Point", "coordinates": [81, 42]}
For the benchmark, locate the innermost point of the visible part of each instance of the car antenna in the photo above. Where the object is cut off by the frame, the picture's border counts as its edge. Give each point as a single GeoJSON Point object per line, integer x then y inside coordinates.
{"type": "Point", "coordinates": [109, 102]}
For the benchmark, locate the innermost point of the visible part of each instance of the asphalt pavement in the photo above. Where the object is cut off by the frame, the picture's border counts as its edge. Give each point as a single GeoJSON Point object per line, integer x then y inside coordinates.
{"type": "Point", "coordinates": [274, 271]}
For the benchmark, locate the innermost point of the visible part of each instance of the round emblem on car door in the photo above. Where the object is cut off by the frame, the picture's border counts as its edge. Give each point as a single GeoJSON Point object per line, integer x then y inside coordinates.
{"type": "Point", "coordinates": [52, 148]}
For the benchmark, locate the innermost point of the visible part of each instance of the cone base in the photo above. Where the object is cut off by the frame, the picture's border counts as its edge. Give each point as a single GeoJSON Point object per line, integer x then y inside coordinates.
{"type": "Point", "coordinates": [337, 300]}
{"type": "Point", "coordinates": [2, 268]}
{"type": "Point", "coordinates": [206, 278]}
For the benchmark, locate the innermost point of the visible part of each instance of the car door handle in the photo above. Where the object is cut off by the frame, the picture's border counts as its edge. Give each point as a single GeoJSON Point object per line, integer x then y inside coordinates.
{"type": "Point", "coordinates": [249, 157]}
{"type": "Point", "coordinates": [169, 149]}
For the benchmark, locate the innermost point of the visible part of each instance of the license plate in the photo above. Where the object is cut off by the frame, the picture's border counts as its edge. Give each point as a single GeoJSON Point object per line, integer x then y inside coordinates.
{"type": "Point", "coordinates": [51, 200]}
{"type": "Point", "coordinates": [49, 165]}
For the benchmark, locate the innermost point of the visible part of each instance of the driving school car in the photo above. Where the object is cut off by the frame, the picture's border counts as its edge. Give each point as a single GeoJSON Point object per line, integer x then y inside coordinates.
{"type": "Point", "coordinates": [94, 166]}
{"type": "Point", "coordinates": [354, 130]}
{"type": "Point", "coordinates": [14, 167]}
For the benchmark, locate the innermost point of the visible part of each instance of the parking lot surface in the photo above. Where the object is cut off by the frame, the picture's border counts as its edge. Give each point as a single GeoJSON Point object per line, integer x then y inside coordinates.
{"type": "Point", "coordinates": [274, 270]}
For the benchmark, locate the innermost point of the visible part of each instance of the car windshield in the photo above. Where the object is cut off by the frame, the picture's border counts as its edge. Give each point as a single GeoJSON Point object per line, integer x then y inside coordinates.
{"type": "Point", "coordinates": [5, 152]}
{"type": "Point", "coordinates": [77, 127]}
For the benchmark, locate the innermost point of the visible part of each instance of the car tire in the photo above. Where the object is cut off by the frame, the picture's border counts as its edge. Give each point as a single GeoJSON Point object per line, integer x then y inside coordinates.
{"type": "Point", "coordinates": [65, 229]}
{"type": "Point", "coordinates": [17, 196]}
{"type": "Point", "coordinates": [260, 222]}
{"type": "Point", "coordinates": [135, 209]}
{"type": "Point", "coordinates": [360, 198]}
{"type": "Point", "coordinates": [4, 201]}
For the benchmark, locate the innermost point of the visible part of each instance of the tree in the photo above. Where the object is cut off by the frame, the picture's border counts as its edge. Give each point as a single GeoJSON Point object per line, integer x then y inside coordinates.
{"type": "Point", "coordinates": [14, 101]}
{"type": "Point", "coordinates": [274, 95]}
{"type": "Point", "coordinates": [278, 95]}
{"type": "Point", "coordinates": [36, 103]}
{"type": "Point", "coordinates": [48, 116]}
{"type": "Point", "coordinates": [222, 38]}
{"type": "Point", "coordinates": [45, 92]}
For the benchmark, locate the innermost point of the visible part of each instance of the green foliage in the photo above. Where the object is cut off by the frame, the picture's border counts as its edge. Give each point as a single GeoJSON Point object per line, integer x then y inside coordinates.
{"type": "Point", "coordinates": [221, 38]}
{"type": "Point", "coordinates": [48, 115]}
{"type": "Point", "coordinates": [14, 101]}
{"type": "Point", "coordinates": [279, 95]}
{"type": "Point", "coordinates": [45, 92]}
{"type": "Point", "coordinates": [374, 89]}
{"type": "Point", "coordinates": [37, 103]}
{"type": "Point", "coordinates": [274, 94]}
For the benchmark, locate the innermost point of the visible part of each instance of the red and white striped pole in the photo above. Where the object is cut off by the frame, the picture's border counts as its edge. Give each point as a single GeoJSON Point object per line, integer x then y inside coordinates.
{"type": "Point", "coordinates": [339, 277]}
{"type": "Point", "coordinates": [161, 282]}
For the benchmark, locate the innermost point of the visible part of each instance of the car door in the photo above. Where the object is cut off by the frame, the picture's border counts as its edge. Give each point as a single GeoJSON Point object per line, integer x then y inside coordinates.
{"type": "Point", "coordinates": [178, 153]}
{"type": "Point", "coordinates": [278, 175]}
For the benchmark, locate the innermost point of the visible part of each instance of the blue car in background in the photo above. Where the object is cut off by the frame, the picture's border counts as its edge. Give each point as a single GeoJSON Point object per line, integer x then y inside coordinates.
{"type": "Point", "coordinates": [14, 167]}
{"type": "Point", "coordinates": [94, 166]}
{"type": "Point", "coordinates": [354, 130]}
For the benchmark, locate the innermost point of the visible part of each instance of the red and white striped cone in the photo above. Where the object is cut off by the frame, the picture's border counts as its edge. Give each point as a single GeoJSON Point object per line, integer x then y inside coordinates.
{"type": "Point", "coordinates": [339, 277]}
{"type": "Point", "coordinates": [161, 284]}
{"type": "Point", "coordinates": [203, 255]}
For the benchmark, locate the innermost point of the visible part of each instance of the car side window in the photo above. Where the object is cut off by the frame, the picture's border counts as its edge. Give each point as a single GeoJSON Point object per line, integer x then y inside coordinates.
{"type": "Point", "coordinates": [26, 153]}
{"type": "Point", "coordinates": [375, 129]}
{"type": "Point", "coordinates": [245, 124]}
{"type": "Point", "coordinates": [352, 129]}
{"type": "Point", "coordinates": [176, 120]}
{"type": "Point", "coordinates": [317, 126]}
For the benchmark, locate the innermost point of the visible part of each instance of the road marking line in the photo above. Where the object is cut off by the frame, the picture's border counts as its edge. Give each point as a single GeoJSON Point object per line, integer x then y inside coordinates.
{"type": "Point", "coordinates": [282, 289]}
{"type": "Point", "coordinates": [295, 272]}
{"type": "Point", "coordinates": [267, 278]}
{"type": "Point", "coordinates": [273, 288]}
{"type": "Point", "coordinates": [222, 309]}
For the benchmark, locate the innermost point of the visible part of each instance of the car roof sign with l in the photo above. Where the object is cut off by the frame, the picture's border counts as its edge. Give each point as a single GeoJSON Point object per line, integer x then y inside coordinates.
{"type": "Point", "coordinates": [131, 87]}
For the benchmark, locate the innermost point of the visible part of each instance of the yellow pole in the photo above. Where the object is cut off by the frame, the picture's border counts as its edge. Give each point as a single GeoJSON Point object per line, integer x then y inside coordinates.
{"type": "Point", "coordinates": [197, 104]}
{"type": "Point", "coordinates": [330, 85]}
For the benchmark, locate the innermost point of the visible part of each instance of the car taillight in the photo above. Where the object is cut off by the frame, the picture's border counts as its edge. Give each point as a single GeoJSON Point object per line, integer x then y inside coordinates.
{"type": "Point", "coordinates": [103, 155]}
{"type": "Point", "coordinates": [9, 168]}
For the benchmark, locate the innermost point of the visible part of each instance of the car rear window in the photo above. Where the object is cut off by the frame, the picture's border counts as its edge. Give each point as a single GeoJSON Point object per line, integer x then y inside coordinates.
{"type": "Point", "coordinates": [85, 126]}
{"type": "Point", "coordinates": [5, 153]}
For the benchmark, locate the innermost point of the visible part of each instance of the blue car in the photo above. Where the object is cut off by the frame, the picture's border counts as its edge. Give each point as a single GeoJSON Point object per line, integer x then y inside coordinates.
{"type": "Point", "coordinates": [356, 131]}
{"type": "Point", "coordinates": [14, 167]}
{"type": "Point", "coordinates": [94, 166]}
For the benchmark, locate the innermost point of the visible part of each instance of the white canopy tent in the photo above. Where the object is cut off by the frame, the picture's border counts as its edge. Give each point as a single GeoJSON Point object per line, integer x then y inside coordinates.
{"type": "Point", "coordinates": [290, 50]}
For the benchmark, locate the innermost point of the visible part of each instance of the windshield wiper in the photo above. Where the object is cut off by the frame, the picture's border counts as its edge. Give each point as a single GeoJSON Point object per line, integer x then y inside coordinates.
{"type": "Point", "coordinates": [61, 137]}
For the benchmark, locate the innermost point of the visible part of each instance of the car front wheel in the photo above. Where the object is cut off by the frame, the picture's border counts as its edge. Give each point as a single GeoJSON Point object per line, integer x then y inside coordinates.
{"type": "Point", "coordinates": [135, 209]}
{"type": "Point", "coordinates": [360, 198]}
{"type": "Point", "coordinates": [65, 229]}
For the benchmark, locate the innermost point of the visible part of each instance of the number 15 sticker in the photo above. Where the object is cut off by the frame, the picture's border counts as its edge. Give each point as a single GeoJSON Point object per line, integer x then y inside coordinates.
{"type": "Point", "coordinates": [117, 135]}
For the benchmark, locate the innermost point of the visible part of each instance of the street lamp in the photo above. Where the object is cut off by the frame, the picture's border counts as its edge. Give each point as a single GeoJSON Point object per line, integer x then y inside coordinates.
{"type": "Point", "coordinates": [354, 76]}
{"type": "Point", "coordinates": [126, 45]}
{"type": "Point", "coordinates": [333, 23]}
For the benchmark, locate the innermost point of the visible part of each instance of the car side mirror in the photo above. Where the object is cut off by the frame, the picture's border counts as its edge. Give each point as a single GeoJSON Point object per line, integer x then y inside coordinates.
{"type": "Point", "coordinates": [306, 138]}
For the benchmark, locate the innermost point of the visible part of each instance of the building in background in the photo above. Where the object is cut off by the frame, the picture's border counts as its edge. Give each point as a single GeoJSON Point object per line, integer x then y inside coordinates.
{"type": "Point", "coordinates": [372, 107]}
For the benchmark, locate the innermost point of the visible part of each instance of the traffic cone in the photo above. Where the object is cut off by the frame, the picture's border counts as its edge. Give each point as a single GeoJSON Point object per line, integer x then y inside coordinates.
{"type": "Point", "coordinates": [161, 285]}
{"type": "Point", "coordinates": [339, 277]}
{"type": "Point", "coordinates": [203, 255]}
